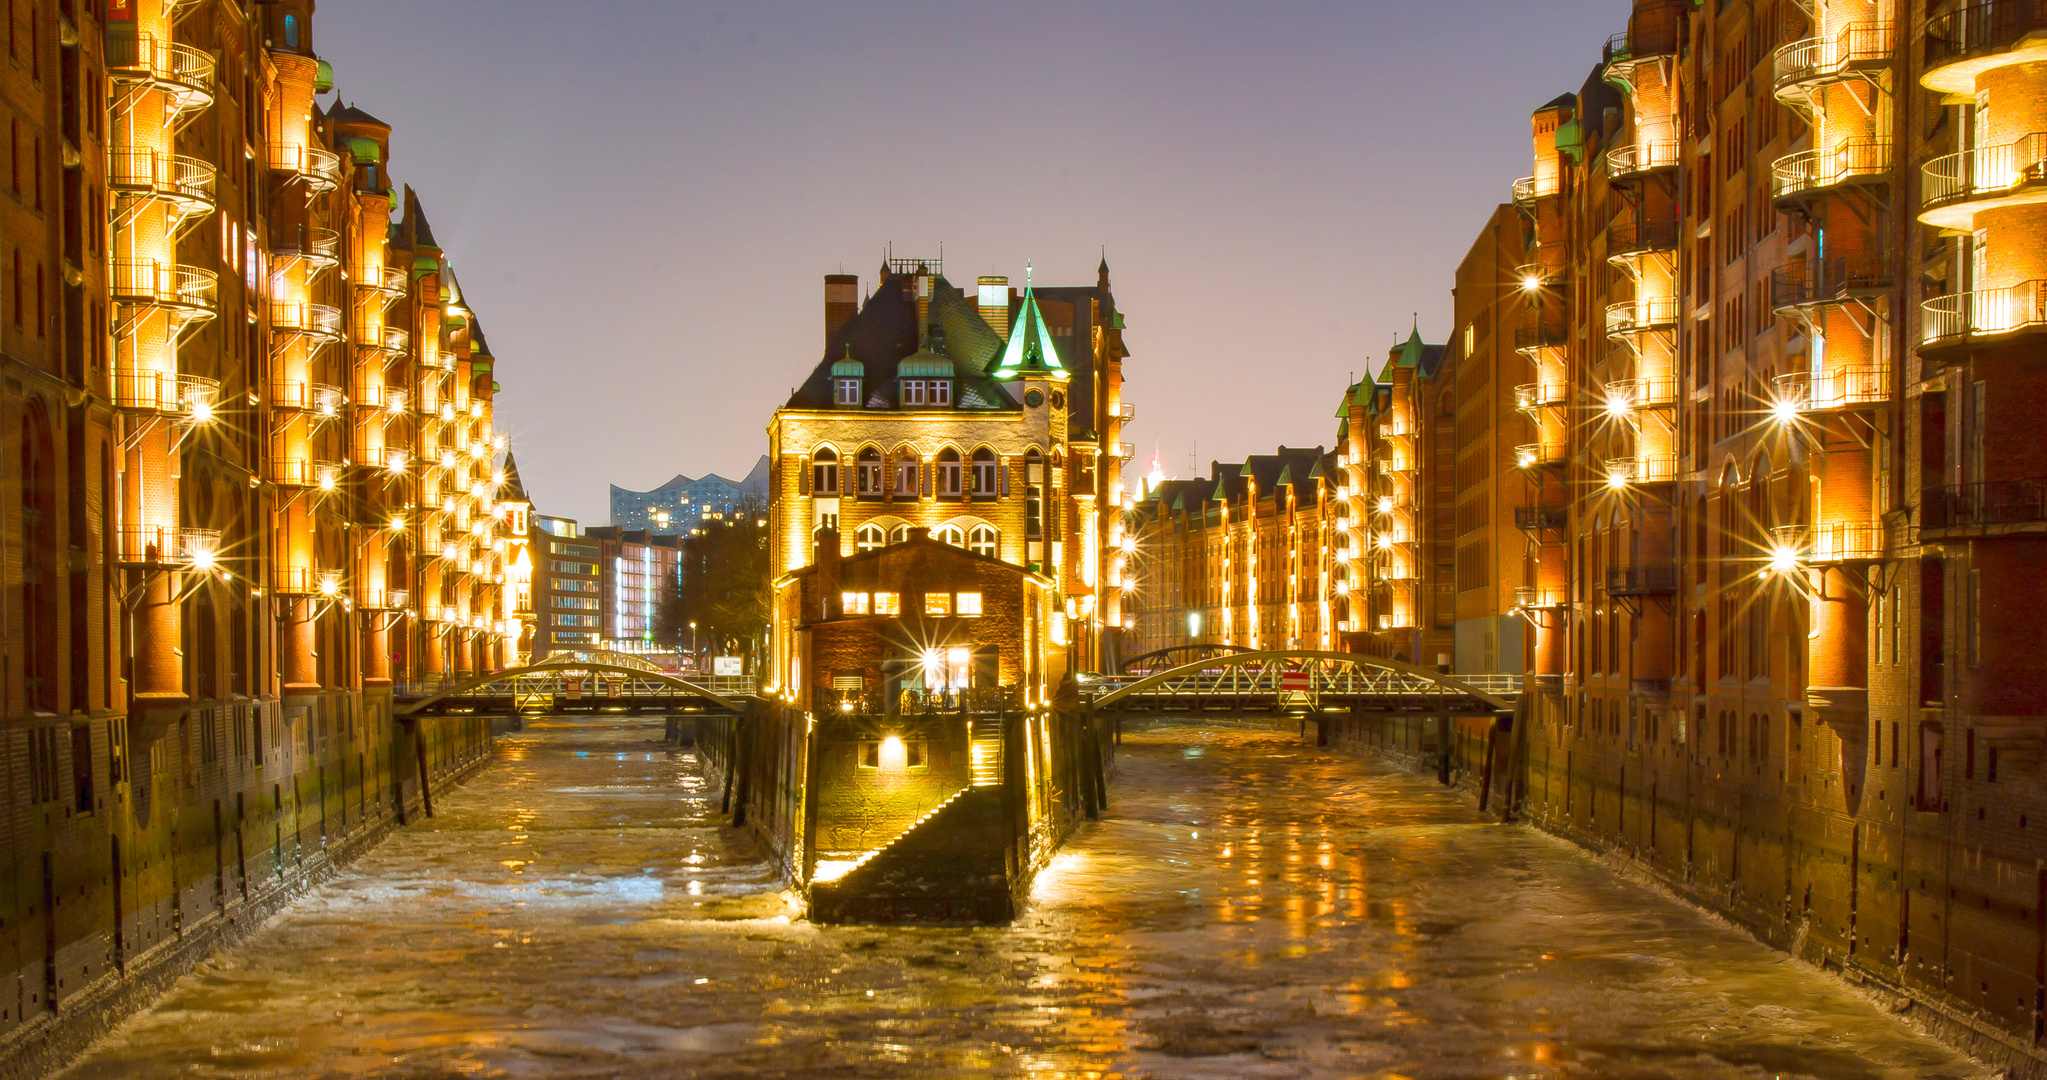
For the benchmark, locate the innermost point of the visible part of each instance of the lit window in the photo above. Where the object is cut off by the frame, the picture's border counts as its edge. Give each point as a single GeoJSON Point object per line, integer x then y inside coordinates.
{"type": "Point", "coordinates": [940, 392]}
{"type": "Point", "coordinates": [888, 603]}
{"type": "Point", "coordinates": [984, 474]}
{"type": "Point", "coordinates": [868, 538]}
{"type": "Point", "coordinates": [870, 471]}
{"type": "Point", "coordinates": [853, 603]}
{"type": "Point", "coordinates": [913, 391]}
{"type": "Point", "coordinates": [937, 603]}
{"type": "Point", "coordinates": [949, 473]}
{"type": "Point", "coordinates": [899, 535]}
{"type": "Point", "coordinates": [846, 391]}
{"type": "Point", "coordinates": [825, 472]}
{"type": "Point", "coordinates": [969, 603]}
{"type": "Point", "coordinates": [906, 474]}
{"type": "Point", "coordinates": [983, 541]}
{"type": "Point", "coordinates": [950, 534]}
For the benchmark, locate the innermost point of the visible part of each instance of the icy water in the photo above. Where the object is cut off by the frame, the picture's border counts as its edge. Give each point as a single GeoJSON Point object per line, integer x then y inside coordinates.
{"type": "Point", "coordinates": [1252, 908]}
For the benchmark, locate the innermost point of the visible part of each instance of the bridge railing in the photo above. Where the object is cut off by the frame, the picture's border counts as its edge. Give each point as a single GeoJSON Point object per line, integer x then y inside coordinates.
{"type": "Point", "coordinates": [1313, 679]}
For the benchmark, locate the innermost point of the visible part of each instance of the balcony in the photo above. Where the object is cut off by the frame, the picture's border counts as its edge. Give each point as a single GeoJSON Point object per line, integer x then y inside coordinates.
{"type": "Point", "coordinates": [320, 169]}
{"type": "Point", "coordinates": [1632, 161]}
{"type": "Point", "coordinates": [1971, 39]}
{"type": "Point", "coordinates": [186, 183]}
{"type": "Point", "coordinates": [1544, 271]}
{"type": "Point", "coordinates": [1649, 392]}
{"type": "Point", "coordinates": [385, 339]}
{"type": "Point", "coordinates": [163, 393]}
{"type": "Point", "coordinates": [1529, 189]}
{"type": "Point", "coordinates": [391, 459]}
{"type": "Point", "coordinates": [182, 73]}
{"type": "Point", "coordinates": [1835, 389]}
{"type": "Point", "coordinates": [1989, 508]}
{"type": "Point", "coordinates": [1530, 340]}
{"type": "Point", "coordinates": [1654, 580]}
{"type": "Point", "coordinates": [1539, 518]}
{"type": "Point", "coordinates": [1528, 397]}
{"type": "Point", "coordinates": [1396, 620]}
{"type": "Point", "coordinates": [187, 291]}
{"type": "Point", "coordinates": [1126, 412]}
{"type": "Point", "coordinates": [1958, 320]}
{"type": "Point", "coordinates": [1539, 598]}
{"type": "Point", "coordinates": [1631, 237]}
{"type": "Point", "coordinates": [1815, 172]}
{"type": "Point", "coordinates": [317, 321]}
{"type": "Point", "coordinates": [1642, 470]}
{"type": "Point", "coordinates": [1818, 283]}
{"type": "Point", "coordinates": [304, 581]}
{"type": "Point", "coordinates": [387, 282]}
{"type": "Point", "coordinates": [1833, 543]}
{"type": "Point", "coordinates": [1394, 465]}
{"type": "Point", "coordinates": [168, 546]}
{"type": "Point", "coordinates": [379, 598]}
{"type": "Point", "coordinates": [317, 398]}
{"type": "Point", "coordinates": [1803, 67]}
{"type": "Point", "coordinates": [1126, 451]}
{"type": "Point", "coordinates": [435, 360]}
{"type": "Point", "coordinates": [1957, 187]}
{"type": "Point", "coordinates": [1396, 428]}
{"type": "Point", "coordinates": [320, 248]}
{"type": "Point", "coordinates": [1539, 455]}
{"type": "Point", "coordinates": [1642, 315]}
{"type": "Point", "coordinates": [305, 473]}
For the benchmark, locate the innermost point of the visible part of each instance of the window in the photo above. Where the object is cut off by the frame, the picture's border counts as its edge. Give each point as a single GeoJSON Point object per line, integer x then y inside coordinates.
{"type": "Point", "coordinates": [941, 391]}
{"type": "Point", "coordinates": [969, 603]}
{"type": "Point", "coordinates": [575, 603]}
{"type": "Point", "coordinates": [982, 541]}
{"type": "Point", "coordinates": [868, 538]}
{"type": "Point", "coordinates": [853, 603]}
{"type": "Point", "coordinates": [846, 391]}
{"type": "Point", "coordinates": [948, 474]}
{"type": "Point", "coordinates": [899, 535]}
{"type": "Point", "coordinates": [950, 534]}
{"type": "Point", "coordinates": [894, 753]}
{"type": "Point", "coordinates": [869, 464]}
{"type": "Point", "coordinates": [824, 472]}
{"type": "Point", "coordinates": [888, 603]}
{"type": "Point", "coordinates": [906, 475]}
{"type": "Point", "coordinates": [291, 31]}
{"type": "Point", "coordinates": [937, 603]}
{"type": "Point", "coordinates": [913, 391]}
{"type": "Point", "coordinates": [984, 475]}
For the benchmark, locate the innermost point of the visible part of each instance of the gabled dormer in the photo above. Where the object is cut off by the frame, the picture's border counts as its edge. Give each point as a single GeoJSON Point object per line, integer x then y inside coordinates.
{"type": "Point", "coordinates": [849, 380]}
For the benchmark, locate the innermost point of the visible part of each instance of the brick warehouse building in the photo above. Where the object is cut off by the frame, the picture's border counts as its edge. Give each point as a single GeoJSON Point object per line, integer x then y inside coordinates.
{"type": "Point", "coordinates": [993, 421]}
{"type": "Point", "coordinates": [251, 486]}
{"type": "Point", "coordinates": [1728, 452]}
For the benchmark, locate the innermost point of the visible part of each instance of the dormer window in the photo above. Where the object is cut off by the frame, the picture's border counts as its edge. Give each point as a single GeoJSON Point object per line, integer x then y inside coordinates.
{"type": "Point", "coordinates": [846, 391]}
{"type": "Point", "coordinates": [927, 392]}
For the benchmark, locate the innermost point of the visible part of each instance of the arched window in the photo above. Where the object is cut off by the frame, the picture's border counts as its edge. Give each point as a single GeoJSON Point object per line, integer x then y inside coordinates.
{"type": "Point", "coordinates": [868, 538]}
{"type": "Point", "coordinates": [291, 31]}
{"type": "Point", "coordinates": [948, 479]}
{"type": "Point", "coordinates": [983, 541]}
{"type": "Point", "coordinates": [869, 463]}
{"type": "Point", "coordinates": [905, 486]}
{"type": "Point", "coordinates": [899, 535]}
{"type": "Point", "coordinates": [950, 534]}
{"type": "Point", "coordinates": [1034, 497]}
{"type": "Point", "coordinates": [824, 472]}
{"type": "Point", "coordinates": [984, 475]}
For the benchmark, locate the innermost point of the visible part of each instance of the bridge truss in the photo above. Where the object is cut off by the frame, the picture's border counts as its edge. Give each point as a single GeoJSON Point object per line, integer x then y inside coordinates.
{"type": "Point", "coordinates": [579, 682]}
{"type": "Point", "coordinates": [1310, 680]}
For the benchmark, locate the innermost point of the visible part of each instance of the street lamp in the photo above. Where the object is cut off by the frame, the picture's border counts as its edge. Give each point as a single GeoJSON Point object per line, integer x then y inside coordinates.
{"type": "Point", "coordinates": [694, 658]}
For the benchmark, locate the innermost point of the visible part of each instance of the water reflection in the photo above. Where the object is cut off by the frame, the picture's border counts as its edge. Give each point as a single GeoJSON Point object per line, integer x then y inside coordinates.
{"type": "Point", "coordinates": [1254, 907]}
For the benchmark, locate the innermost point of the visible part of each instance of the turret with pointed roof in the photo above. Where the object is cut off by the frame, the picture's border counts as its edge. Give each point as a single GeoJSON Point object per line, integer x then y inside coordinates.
{"type": "Point", "coordinates": [1030, 350]}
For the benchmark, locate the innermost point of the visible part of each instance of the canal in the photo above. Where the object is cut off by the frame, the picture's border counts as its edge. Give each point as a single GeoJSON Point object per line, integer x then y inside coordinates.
{"type": "Point", "coordinates": [1253, 907]}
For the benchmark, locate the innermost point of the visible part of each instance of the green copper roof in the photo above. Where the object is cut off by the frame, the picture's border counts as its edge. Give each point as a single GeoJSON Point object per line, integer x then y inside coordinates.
{"type": "Point", "coordinates": [925, 365]}
{"type": "Point", "coordinates": [323, 77]}
{"type": "Point", "coordinates": [1030, 350]}
{"type": "Point", "coordinates": [364, 151]}
{"type": "Point", "coordinates": [853, 369]}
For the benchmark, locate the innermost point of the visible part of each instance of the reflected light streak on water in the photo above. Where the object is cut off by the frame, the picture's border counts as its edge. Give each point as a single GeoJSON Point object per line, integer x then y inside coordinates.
{"type": "Point", "coordinates": [1252, 907]}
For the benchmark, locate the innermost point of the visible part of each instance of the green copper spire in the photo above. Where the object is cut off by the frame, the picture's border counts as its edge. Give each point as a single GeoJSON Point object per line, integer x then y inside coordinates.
{"type": "Point", "coordinates": [1030, 350]}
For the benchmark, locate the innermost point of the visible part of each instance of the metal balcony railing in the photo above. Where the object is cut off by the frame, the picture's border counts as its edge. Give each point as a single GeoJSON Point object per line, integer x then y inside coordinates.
{"type": "Point", "coordinates": [319, 398]}
{"type": "Point", "coordinates": [1951, 318]}
{"type": "Point", "coordinates": [1641, 315]}
{"type": "Point", "coordinates": [387, 339]}
{"type": "Point", "coordinates": [1803, 65]}
{"type": "Point", "coordinates": [1972, 31]}
{"type": "Point", "coordinates": [379, 598]}
{"type": "Point", "coordinates": [1630, 160]}
{"type": "Point", "coordinates": [1396, 427]}
{"type": "Point", "coordinates": [1546, 270]}
{"type": "Point", "coordinates": [1540, 395]}
{"type": "Point", "coordinates": [1535, 518]}
{"type": "Point", "coordinates": [391, 459]}
{"type": "Point", "coordinates": [1833, 542]}
{"type": "Point", "coordinates": [1528, 189]}
{"type": "Point", "coordinates": [183, 73]}
{"type": "Point", "coordinates": [168, 546]}
{"type": "Point", "coordinates": [387, 280]}
{"type": "Point", "coordinates": [1641, 469]}
{"type": "Point", "coordinates": [1986, 173]}
{"type": "Point", "coordinates": [312, 320]}
{"type": "Point", "coordinates": [1983, 505]}
{"type": "Point", "coordinates": [1531, 339]}
{"type": "Point", "coordinates": [1633, 235]}
{"type": "Point", "coordinates": [174, 177]}
{"type": "Point", "coordinates": [166, 394]}
{"type": "Point", "coordinates": [435, 360]}
{"type": "Point", "coordinates": [1851, 161]}
{"type": "Point", "coordinates": [1647, 392]}
{"type": "Point", "coordinates": [300, 580]}
{"type": "Point", "coordinates": [320, 169]}
{"type": "Point", "coordinates": [1396, 620]}
{"type": "Point", "coordinates": [1397, 463]}
{"type": "Point", "coordinates": [1539, 597]}
{"type": "Point", "coordinates": [1126, 412]}
{"type": "Point", "coordinates": [1652, 580]}
{"type": "Point", "coordinates": [302, 472]}
{"type": "Point", "coordinates": [320, 247]}
{"type": "Point", "coordinates": [1826, 281]}
{"type": "Point", "coordinates": [1126, 451]}
{"type": "Point", "coordinates": [148, 282]}
{"type": "Point", "coordinates": [1539, 455]}
{"type": "Point", "coordinates": [1834, 388]}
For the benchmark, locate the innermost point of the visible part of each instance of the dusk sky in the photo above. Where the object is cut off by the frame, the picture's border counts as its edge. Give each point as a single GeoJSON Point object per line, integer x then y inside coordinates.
{"type": "Point", "coordinates": [641, 199]}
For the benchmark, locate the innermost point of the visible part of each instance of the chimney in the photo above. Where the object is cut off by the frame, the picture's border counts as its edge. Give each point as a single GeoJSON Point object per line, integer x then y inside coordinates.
{"type": "Point", "coordinates": [994, 302]}
{"type": "Point", "coordinates": [841, 301]}
{"type": "Point", "coordinates": [826, 559]}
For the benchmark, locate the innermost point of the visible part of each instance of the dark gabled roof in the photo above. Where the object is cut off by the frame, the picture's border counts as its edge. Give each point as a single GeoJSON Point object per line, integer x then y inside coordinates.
{"type": "Point", "coordinates": [349, 114]}
{"type": "Point", "coordinates": [514, 489]}
{"type": "Point", "coordinates": [477, 346]}
{"type": "Point", "coordinates": [415, 222]}
{"type": "Point", "coordinates": [1566, 100]}
{"type": "Point", "coordinates": [1289, 465]}
{"type": "Point", "coordinates": [1414, 353]}
{"type": "Point", "coordinates": [885, 332]}
{"type": "Point", "coordinates": [918, 538]}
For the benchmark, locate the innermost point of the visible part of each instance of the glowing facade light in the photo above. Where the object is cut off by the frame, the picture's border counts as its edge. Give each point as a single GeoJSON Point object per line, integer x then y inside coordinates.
{"type": "Point", "coordinates": [1530, 283]}
{"type": "Point", "coordinates": [1386, 504]}
{"type": "Point", "coordinates": [1616, 479]}
{"type": "Point", "coordinates": [1785, 559]}
{"type": "Point", "coordinates": [397, 523]}
{"type": "Point", "coordinates": [1784, 410]}
{"type": "Point", "coordinates": [1619, 405]}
